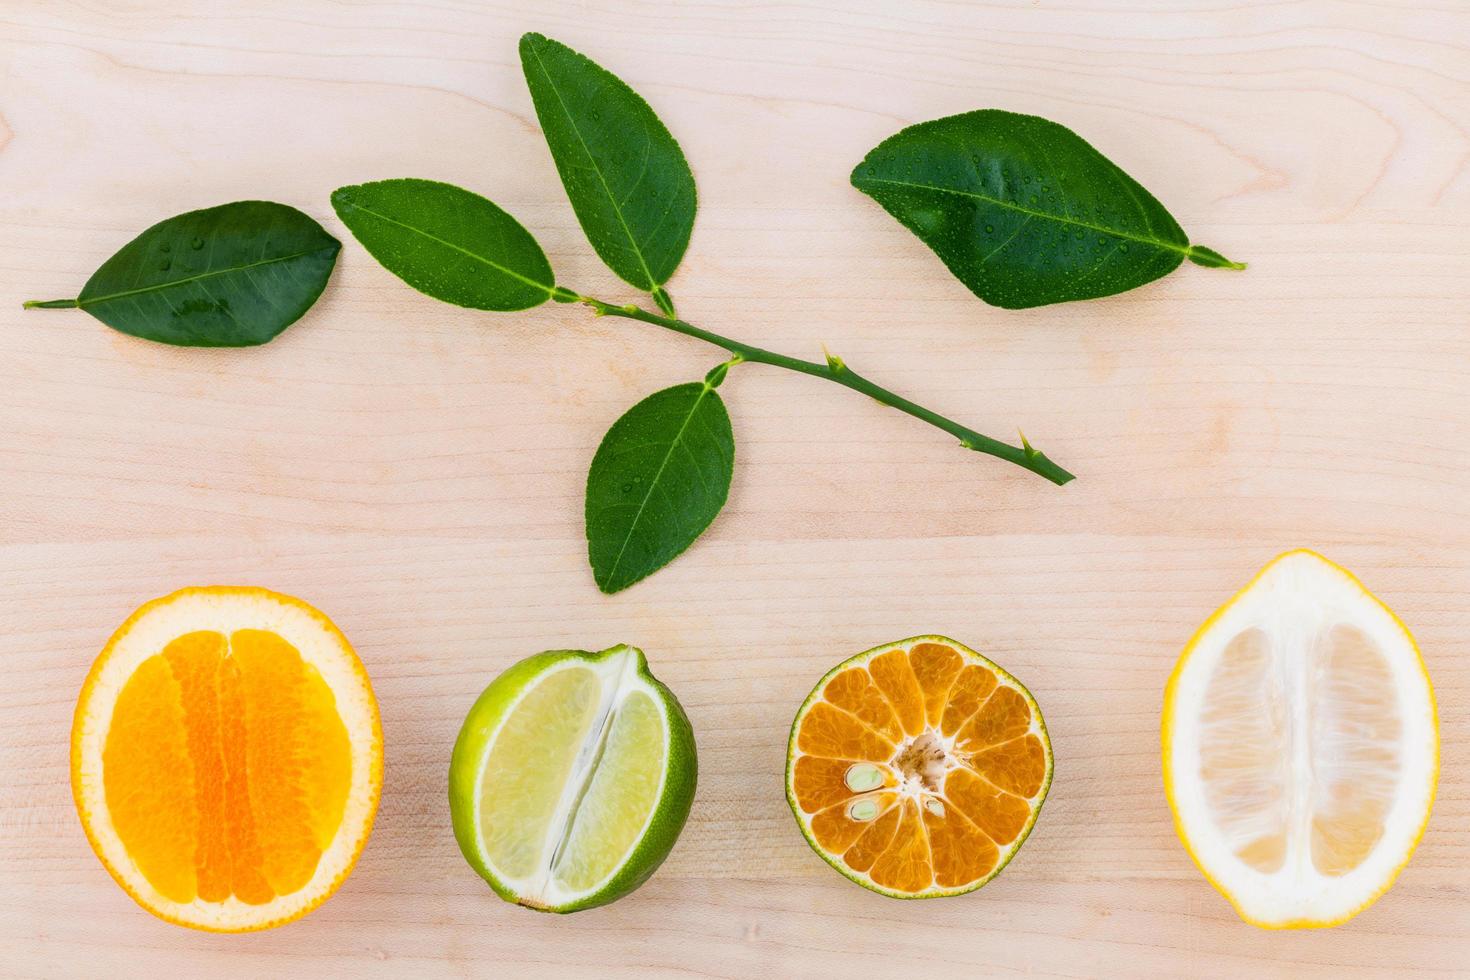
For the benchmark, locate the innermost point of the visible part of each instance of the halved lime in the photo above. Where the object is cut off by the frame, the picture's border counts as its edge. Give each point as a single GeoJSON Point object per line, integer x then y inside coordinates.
{"type": "Point", "coordinates": [571, 778]}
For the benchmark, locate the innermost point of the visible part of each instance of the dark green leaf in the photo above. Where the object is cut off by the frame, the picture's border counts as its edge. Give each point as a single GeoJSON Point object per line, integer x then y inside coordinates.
{"type": "Point", "coordinates": [1211, 259]}
{"type": "Point", "coordinates": [627, 179]}
{"type": "Point", "coordinates": [1024, 211]}
{"type": "Point", "coordinates": [447, 242]}
{"type": "Point", "coordinates": [659, 478]}
{"type": "Point", "coordinates": [229, 276]}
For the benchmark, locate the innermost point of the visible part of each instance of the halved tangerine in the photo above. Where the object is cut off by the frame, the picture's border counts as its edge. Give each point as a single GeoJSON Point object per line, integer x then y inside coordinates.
{"type": "Point", "coordinates": [917, 768]}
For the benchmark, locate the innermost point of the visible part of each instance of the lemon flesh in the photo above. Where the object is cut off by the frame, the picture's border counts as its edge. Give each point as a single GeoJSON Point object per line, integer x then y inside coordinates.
{"type": "Point", "coordinates": [571, 779]}
{"type": "Point", "coordinates": [1301, 746]}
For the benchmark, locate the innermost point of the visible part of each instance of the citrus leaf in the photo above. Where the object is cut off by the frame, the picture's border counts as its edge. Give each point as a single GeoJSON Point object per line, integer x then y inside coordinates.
{"type": "Point", "coordinates": [657, 481]}
{"type": "Point", "coordinates": [625, 175]}
{"type": "Point", "coordinates": [1024, 211]}
{"type": "Point", "coordinates": [235, 275]}
{"type": "Point", "coordinates": [447, 242]}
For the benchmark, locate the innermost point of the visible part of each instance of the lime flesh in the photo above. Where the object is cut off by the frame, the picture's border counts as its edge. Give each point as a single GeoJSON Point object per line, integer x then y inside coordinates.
{"type": "Point", "coordinates": [571, 778]}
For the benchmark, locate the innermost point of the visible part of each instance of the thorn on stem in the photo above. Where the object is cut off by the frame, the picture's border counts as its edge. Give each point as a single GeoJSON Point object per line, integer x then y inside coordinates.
{"type": "Point", "coordinates": [1031, 451]}
{"type": "Point", "coordinates": [834, 362]}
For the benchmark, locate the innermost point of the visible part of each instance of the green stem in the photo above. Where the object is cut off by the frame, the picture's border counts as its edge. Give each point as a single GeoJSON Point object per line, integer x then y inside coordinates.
{"type": "Point", "coordinates": [50, 304]}
{"type": "Point", "coordinates": [1024, 455]}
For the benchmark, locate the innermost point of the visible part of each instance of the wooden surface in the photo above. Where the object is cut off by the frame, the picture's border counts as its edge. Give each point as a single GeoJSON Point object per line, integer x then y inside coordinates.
{"type": "Point", "coordinates": [417, 470]}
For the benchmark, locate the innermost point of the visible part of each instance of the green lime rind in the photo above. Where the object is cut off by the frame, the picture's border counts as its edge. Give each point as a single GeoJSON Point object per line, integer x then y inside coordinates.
{"type": "Point", "coordinates": [1007, 853]}
{"type": "Point", "coordinates": [472, 746]}
{"type": "Point", "coordinates": [670, 813]}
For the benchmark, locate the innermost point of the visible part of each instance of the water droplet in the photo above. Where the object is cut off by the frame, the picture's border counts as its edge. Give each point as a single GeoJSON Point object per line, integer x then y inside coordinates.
{"type": "Point", "coordinates": [164, 265]}
{"type": "Point", "coordinates": [627, 488]}
{"type": "Point", "coordinates": [990, 229]}
{"type": "Point", "coordinates": [165, 247]}
{"type": "Point", "coordinates": [1026, 179]}
{"type": "Point", "coordinates": [197, 244]}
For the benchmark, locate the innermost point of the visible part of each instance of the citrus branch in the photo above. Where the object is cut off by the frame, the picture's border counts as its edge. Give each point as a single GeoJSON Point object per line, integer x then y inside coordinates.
{"type": "Point", "coordinates": [834, 369]}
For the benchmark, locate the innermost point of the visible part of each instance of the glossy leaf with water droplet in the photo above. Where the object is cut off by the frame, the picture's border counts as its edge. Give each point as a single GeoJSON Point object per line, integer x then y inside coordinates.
{"type": "Point", "coordinates": [1024, 211]}
{"type": "Point", "coordinates": [447, 242]}
{"type": "Point", "coordinates": [627, 179]}
{"type": "Point", "coordinates": [659, 478]}
{"type": "Point", "coordinates": [235, 275]}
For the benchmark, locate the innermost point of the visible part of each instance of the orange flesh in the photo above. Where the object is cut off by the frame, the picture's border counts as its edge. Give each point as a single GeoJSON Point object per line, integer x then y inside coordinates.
{"type": "Point", "coordinates": [226, 768]}
{"type": "Point", "coordinates": [957, 765]}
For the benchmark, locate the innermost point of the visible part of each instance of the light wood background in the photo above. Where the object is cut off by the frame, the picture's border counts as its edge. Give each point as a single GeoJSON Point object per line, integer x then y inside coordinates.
{"type": "Point", "coordinates": [416, 470]}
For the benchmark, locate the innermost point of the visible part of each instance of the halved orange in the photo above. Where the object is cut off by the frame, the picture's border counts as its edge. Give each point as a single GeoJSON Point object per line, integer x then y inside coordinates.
{"type": "Point", "coordinates": [917, 768]}
{"type": "Point", "coordinates": [227, 758]}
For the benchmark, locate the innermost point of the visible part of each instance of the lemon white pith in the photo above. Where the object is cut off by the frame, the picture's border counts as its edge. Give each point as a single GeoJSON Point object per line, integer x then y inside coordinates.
{"type": "Point", "coordinates": [571, 779]}
{"type": "Point", "coordinates": [1301, 746]}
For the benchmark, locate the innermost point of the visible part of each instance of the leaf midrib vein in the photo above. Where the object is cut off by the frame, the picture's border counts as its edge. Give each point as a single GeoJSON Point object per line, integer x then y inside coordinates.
{"type": "Point", "coordinates": [617, 210]}
{"type": "Point", "coordinates": [658, 474]}
{"type": "Point", "coordinates": [213, 273]}
{"type": "Point", "coordinates": [1019, 209]}
{"type": "Point", "coordinates": [450, 245]}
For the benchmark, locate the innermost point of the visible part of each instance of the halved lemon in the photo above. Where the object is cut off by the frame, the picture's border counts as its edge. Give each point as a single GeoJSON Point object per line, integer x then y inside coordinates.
{"type": "Point", "coordinates": [917, 768]}
{"type": "Point", "coordinates": [1301, 746]}
{"type": "Point", "coordinates": [571, 779]}
{"type": "Point", "coordinates": [227, 758]}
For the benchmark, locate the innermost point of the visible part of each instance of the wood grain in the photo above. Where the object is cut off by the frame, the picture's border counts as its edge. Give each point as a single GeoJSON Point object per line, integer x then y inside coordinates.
{"type": "Point", "coordinates": [416, 471]}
